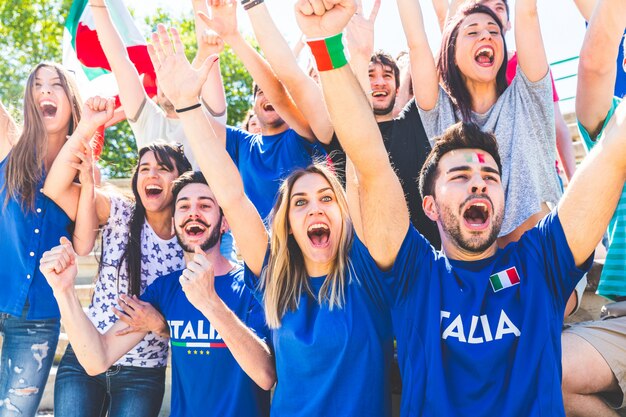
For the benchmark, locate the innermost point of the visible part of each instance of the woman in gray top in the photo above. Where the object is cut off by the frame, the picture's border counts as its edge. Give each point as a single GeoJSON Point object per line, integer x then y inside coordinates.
{"type": "Point", "coordinates": [472, 71]}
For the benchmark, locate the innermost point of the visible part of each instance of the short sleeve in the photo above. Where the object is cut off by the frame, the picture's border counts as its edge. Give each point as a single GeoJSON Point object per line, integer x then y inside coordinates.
{"type": "Point", "coordinates": [439, 118]}
{"type": "Point", "coordinates": [590, 142]}
{"type": "Point", "coordinates": [152, 294]}
{"type": "Point", "coordinates": [562, 274]}
{"type": "Point", "coordinates": [233, 140]}
{"type": "Point", "coordinates": [415, 261]}
{"type": "Point", "coordinates": [148, 124]}
{"type": "Point", "coordinates": [119, 214]}
{"type": "Point", "coordinates": [252, 281]}
{"type": "Point", "coordinates": [255, 320]}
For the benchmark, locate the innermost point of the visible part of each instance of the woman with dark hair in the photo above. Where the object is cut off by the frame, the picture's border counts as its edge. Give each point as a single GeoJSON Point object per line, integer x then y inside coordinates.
{"type": "Point", "coordinates": [30, 224]}
{"type": "Point", "coordinates": [468, 83]}
{"type": "Point", "coordinates": [138, 246]}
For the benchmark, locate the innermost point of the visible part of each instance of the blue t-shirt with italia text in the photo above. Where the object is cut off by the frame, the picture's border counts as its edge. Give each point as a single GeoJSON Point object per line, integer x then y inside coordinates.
{"type": "Point", "coordinates": [335, 362]}
{"type": "Point", "coordinates": [483, 338]}
{"type": "Point", "coordinates": [206, 378]}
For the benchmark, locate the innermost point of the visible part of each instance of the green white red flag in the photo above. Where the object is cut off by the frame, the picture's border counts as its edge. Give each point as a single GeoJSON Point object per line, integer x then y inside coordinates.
{"type": "Point", "coordinates": [83, 55]}
{"type": "Point", "coordinates": [504, 279]}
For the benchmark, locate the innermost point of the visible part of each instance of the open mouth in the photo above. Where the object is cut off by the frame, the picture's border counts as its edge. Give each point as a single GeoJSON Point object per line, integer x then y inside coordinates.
{"type": "Point", "coordinates": [379, 93]}
{"type": "Point", "coordinates": [476, 215]}
{"type": "Point", "coordinates": [484, 56]}
{"type": "Point", "coordinates": [153, 190]}
{"type": "Point", "coordinates": [268, 107]}
{"type": "Point", "coordinates": [48, 109]}
{"type": "Point", "coordinates": [195, 228]}
{"type": "Point", "coordinates": [318, 233]}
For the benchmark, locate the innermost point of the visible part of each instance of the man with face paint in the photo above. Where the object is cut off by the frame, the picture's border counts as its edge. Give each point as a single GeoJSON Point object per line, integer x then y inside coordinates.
{"type": "Point", "coordinates": [478, 326]}
{"type": "Point", "coordinates": [216, 327]}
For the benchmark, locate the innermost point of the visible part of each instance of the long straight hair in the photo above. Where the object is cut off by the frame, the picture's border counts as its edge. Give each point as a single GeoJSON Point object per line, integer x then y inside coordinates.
{"type": "Point", "coordinates": [25, 164]}
{"type": "Point", "coordinates": [451, 76]}
{"type": "Point", "coordinates": [284, 279]}
{"type": "Point", "coordinates": [164, 153]}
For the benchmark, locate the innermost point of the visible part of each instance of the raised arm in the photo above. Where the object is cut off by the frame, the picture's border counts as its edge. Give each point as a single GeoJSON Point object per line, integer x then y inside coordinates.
{"type": "Point", "coordinates": [423, 69]}
{"type": "Point", "coordinates": [181, 84]}
{"type": "Point", "coordinates": [585, 7]}
{"type": "Point", "coordinates": [131, 91]}
{"type": "Point", "coordinates": [59, 185]}
{"type": "Point", "coordinates": [8, 132]}
{"type": "Point", "coordinates": [223, 20]}
{"type": "Point", "coordinates": [360, 40]}
{"type": "Point", "coordinates": [591, 198]}
{"type": "Point", "coordinates": [209, 43]}
{"type": "Point", "coordinates": [303, 89]}
{"type": "Point", "coordinates": [596, 66]}
{"type": "Point", "coordinates": [86, 225]}
{"type": "Point", "coordinates": [96, 352]}
{"type": "Point", "coordinates": [530, 50]}
{"type": "Point", "coordinates": [441, 10]}
{"type": "Point", "coordinates": [252, 354]}
{"type": "Point", "coordinates": [385, 217]}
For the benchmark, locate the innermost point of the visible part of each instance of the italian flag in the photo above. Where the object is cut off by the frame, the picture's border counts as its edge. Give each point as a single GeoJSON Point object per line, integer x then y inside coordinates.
{"type": "Point", "coordinates": [83, 55]}
{"type": "Point", "coordinates": [199, 344]}
{"type": "Point", "coordinates": [504, 279]}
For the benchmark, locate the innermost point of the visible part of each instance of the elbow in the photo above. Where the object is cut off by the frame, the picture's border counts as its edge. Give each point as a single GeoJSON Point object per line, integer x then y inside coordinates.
{"type": "Point", "coordinates": [94, 369]}
{"type": "Point", "coordinates": [268, 379]}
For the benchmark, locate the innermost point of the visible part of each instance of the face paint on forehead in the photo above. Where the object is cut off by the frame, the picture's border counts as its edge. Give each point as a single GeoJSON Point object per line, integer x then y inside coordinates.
{"type": "Point", "coordinates": [475, 157]}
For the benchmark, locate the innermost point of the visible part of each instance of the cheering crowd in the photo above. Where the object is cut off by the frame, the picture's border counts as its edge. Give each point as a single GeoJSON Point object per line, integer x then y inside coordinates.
{"type": "Point", "coordinates": [366, 204]}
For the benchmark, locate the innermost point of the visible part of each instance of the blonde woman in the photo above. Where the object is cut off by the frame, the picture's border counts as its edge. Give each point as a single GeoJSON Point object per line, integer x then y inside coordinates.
{"type": "Point", "coordinates": [30, 224]}
{"type": "Point", "coordinates": [318, 284]}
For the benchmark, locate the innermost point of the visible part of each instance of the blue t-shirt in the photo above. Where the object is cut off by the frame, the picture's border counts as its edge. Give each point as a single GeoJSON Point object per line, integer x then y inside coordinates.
{"type": "Point", "coordinates": [483, 338]}
{"type": "Point", "coordinates": [265, 161]}
{"type": "Point", "coordinates": [335, 363]}
{"type": "Point", "coordinates": [206, 378]}
{"type": "Point", "coordinates": [26, 235]}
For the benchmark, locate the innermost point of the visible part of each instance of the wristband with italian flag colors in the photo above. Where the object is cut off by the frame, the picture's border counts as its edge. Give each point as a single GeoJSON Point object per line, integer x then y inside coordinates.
{"type": "Point", "coordinates": [329, 53]}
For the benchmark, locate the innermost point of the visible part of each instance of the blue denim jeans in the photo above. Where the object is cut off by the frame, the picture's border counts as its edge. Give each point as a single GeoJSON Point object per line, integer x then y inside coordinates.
{"type": "Point", "coordinates": [122, 391]}
{"type": "Point", "coordinates": [27, 354]}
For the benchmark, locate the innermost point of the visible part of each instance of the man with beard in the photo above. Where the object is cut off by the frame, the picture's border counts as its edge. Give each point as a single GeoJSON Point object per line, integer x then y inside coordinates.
{"type": "Point", "coordinates": [215, 324]}
{"type": "Point", "coordinates": [404, 136]}
{"type": "Point", "coordinates": [478, 326]}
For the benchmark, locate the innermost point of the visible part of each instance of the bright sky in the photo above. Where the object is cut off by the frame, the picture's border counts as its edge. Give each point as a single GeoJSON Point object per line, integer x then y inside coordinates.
{"type": "Point", "coordinates": [562, 27]}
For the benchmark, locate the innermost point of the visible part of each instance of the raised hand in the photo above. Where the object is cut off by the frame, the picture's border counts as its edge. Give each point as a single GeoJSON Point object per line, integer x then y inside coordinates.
{"type": "Point", "coordinates": [58, 265]}
{"type": "Point", "coordinates": [97, 111]}
{"type": "Point", "coordinates": [85, 167]}
{"type": "Point", "coordinates": [223, 18]}
{"type": "Point", "coordinates": [198, 280]}
{"type": "Point", "coordinates": [180, 82]}
{"type": "Point", "coordinates": [140, 317]}
{"type": "Point", "coordinates": [210, 43]}
{"type": "Point", "coordinates": [360, 31]}
{"type": "Point", "coordinates": [324, 18]}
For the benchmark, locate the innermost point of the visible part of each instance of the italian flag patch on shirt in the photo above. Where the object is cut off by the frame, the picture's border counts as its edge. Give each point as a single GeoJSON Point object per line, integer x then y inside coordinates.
{"type": "Point", "coordinates": [504, 279]}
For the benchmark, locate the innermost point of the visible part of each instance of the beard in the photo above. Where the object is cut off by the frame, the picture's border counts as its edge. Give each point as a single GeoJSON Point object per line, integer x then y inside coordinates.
{"type": "Point", "coordinates": [383, 111]}
{"type": "Point", "coordinates": [451, 226]}
{"type": "Point", "coordinates": [208, 243]}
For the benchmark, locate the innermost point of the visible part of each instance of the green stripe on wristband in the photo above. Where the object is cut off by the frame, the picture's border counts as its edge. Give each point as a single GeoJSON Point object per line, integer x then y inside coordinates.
{"type": "Point", "coordinates": [329, 53]}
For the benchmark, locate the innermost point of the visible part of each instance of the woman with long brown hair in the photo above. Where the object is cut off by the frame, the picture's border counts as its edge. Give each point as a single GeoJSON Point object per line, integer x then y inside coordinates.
{"type": "Point", "coordinates": [468, 83]}
{"type": "Point", "coordinates": [319, 286]}
{"type": "Point", "coordinates": [30, 224]}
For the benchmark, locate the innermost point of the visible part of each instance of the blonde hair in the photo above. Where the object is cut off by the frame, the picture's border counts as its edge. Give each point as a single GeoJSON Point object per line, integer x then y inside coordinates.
{"type": "Point", "coordinates": [25, 164]}
{"type": "Point", "coordinates": [284, 279]}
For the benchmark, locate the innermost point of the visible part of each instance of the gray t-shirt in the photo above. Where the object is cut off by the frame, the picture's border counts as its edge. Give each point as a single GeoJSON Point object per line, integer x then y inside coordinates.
{"type": "Point", "coordinates": [522, 119]}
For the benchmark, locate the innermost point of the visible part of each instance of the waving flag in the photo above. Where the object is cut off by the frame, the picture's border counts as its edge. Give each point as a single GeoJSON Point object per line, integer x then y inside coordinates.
{"type": "Point", "coordinates": [83, 55]}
